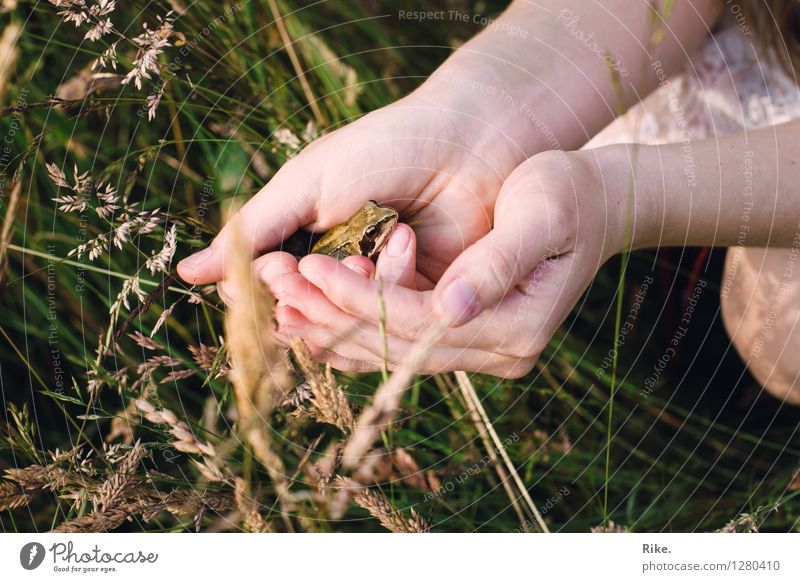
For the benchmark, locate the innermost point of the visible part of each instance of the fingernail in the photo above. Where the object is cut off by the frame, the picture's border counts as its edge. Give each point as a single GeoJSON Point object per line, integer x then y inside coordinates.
{"type": "Point", "coordinates": [459, 301]}
{"type": "Point", "coordinates": [398, 243]}
{"type": "Point", "coordinates": [193, 262]}
{"type": "Point", "coordinates": [357, 269]}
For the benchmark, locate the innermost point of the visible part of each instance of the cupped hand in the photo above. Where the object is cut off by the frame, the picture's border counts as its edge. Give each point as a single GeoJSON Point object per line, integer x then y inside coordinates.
{"type": "Point", "coordinates": [557, 219]}
{"type": "Point", "coordinates": [441, 169]}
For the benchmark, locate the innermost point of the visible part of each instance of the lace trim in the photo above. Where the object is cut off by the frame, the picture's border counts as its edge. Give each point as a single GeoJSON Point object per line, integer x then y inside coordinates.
{"type": "Point", "coordinates": [726, 87]}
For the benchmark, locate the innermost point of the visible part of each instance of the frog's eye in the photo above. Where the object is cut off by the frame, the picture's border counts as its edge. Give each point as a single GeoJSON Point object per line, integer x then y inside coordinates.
{"type": "Point", "coordinates": [371, 232]}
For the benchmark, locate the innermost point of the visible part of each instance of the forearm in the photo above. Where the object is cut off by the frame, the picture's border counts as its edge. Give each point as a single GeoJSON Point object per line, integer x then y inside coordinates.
{"type": "Point", "coordinates": [541, 76]}
{"type": "Point", "coordinates": [741, 189]}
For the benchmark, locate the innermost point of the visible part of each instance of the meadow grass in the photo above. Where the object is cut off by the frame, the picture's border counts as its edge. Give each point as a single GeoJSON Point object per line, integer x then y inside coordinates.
{"type": "Point", "coordinates": [120, 409]}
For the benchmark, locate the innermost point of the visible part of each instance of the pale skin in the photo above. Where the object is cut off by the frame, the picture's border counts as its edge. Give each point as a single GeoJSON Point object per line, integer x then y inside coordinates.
{"type": "Point", "coordinates": [506, 234]}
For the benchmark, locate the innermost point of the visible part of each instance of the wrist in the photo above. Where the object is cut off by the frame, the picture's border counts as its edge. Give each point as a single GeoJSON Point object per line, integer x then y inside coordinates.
{"type": "Point", "coordinates": [622, 175]}
{"type": "Point", "coordinates": [493, 86]}
{"type": "Point", "coordinates": [481, 107]}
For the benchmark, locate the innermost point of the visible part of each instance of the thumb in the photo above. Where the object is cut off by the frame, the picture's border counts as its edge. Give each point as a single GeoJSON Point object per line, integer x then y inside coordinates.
{"type": "Point", "coordinates": [275, 212]}
{"type": "Point", "coordinates": [485, 272]}
{"type": "Point", "coordinates": [397, 264]}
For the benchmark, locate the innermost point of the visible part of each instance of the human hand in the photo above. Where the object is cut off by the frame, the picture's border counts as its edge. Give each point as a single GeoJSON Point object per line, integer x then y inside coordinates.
{"type": "Point", "coordinates": [439, 166]}
{"type": "Point", "coordinates": [558, 217]}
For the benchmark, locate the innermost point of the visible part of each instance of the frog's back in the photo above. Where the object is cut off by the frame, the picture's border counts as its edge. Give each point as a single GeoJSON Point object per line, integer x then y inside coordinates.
{"type": "Point", "coordinates": [337, 252]}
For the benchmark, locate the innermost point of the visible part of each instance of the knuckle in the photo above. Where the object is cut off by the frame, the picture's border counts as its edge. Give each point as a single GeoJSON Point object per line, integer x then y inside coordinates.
{"type": "Point", "coordinates": [344, 299]}
{"type": "Point", "coordinates": [323, 339]}
{"type": "Point", "coordinates": [512, 368]}
{"type": "Point", "coordinates": [348, 302]}
{"type": "Point", "coordinates": [315, 314]}
{"type": "Point", "coordinates": [499, 271]}
{"type": "Point", "coordinates": [524, 343]}
{"type": "Point", "coordinates": [562, 220]}
{"type": "Point", "coordinates": [408, 327]}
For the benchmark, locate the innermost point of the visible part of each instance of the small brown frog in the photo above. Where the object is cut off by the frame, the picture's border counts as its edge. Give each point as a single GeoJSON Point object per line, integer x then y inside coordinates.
{"type": "Point", "coordinates": [365, 233]}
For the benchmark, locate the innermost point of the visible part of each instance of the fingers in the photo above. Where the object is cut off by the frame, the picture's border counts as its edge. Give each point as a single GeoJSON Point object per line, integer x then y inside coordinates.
{"type": "Point", "coordinates": [422, 283]}
{"type": "Point", "coordinates": [504, 341]}
{"type": "Point", "coordinates": [306, 312]}
{"type": "Point", "coordinates": [525, 323]}
{"type": "Point", "coordinates": [346, 364]}
{"type": "Point", "coordinates": [361, 265]}
{"type": "Point", "coordinates": [292, 289]}
{"type": "Point", "coordinates": [292, 323]}
{"type": "Point", "coordinates": [269, 266]}
{"type": "Point", "coordinates": [527, 229]}
{"type": "Point", "coordinates": [406, 310]}
{"type": "Point", "coordinates": [407, 313]}
{"type": "Point", "coordinates": [368, 159]}
{"type": "Point", "coordinates": [347, 355]}
{"type": "Point", "coordinates": [397, 263]}
{"type": "Point", "coordinates": [285, 204]}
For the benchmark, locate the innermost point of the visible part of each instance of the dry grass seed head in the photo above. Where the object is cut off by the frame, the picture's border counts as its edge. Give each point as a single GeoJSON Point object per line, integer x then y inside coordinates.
{"type": "Point", "coordinates": [115, 487]}
{"type": "Point", "coordinates": [184, 439]}
{"type": "Point", "coordinates": [379, 506]}
{"type": "Point", "coordinates": [386, 403]}
{"type": "Point", "coordinates": [13, 495]}
{"type": "Point", "coordinates": [252, 520]}
{"type": "Point", "coordinates": [260, 367]}
{"type": "Point", "coordinates": [329, 400]}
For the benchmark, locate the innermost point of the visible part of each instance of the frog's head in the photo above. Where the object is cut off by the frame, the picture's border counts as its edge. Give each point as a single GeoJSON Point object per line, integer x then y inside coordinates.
{"type": "Point", "coordinates": [373, 224]}
{"type": "Point", "coordinates": [364, 233]}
